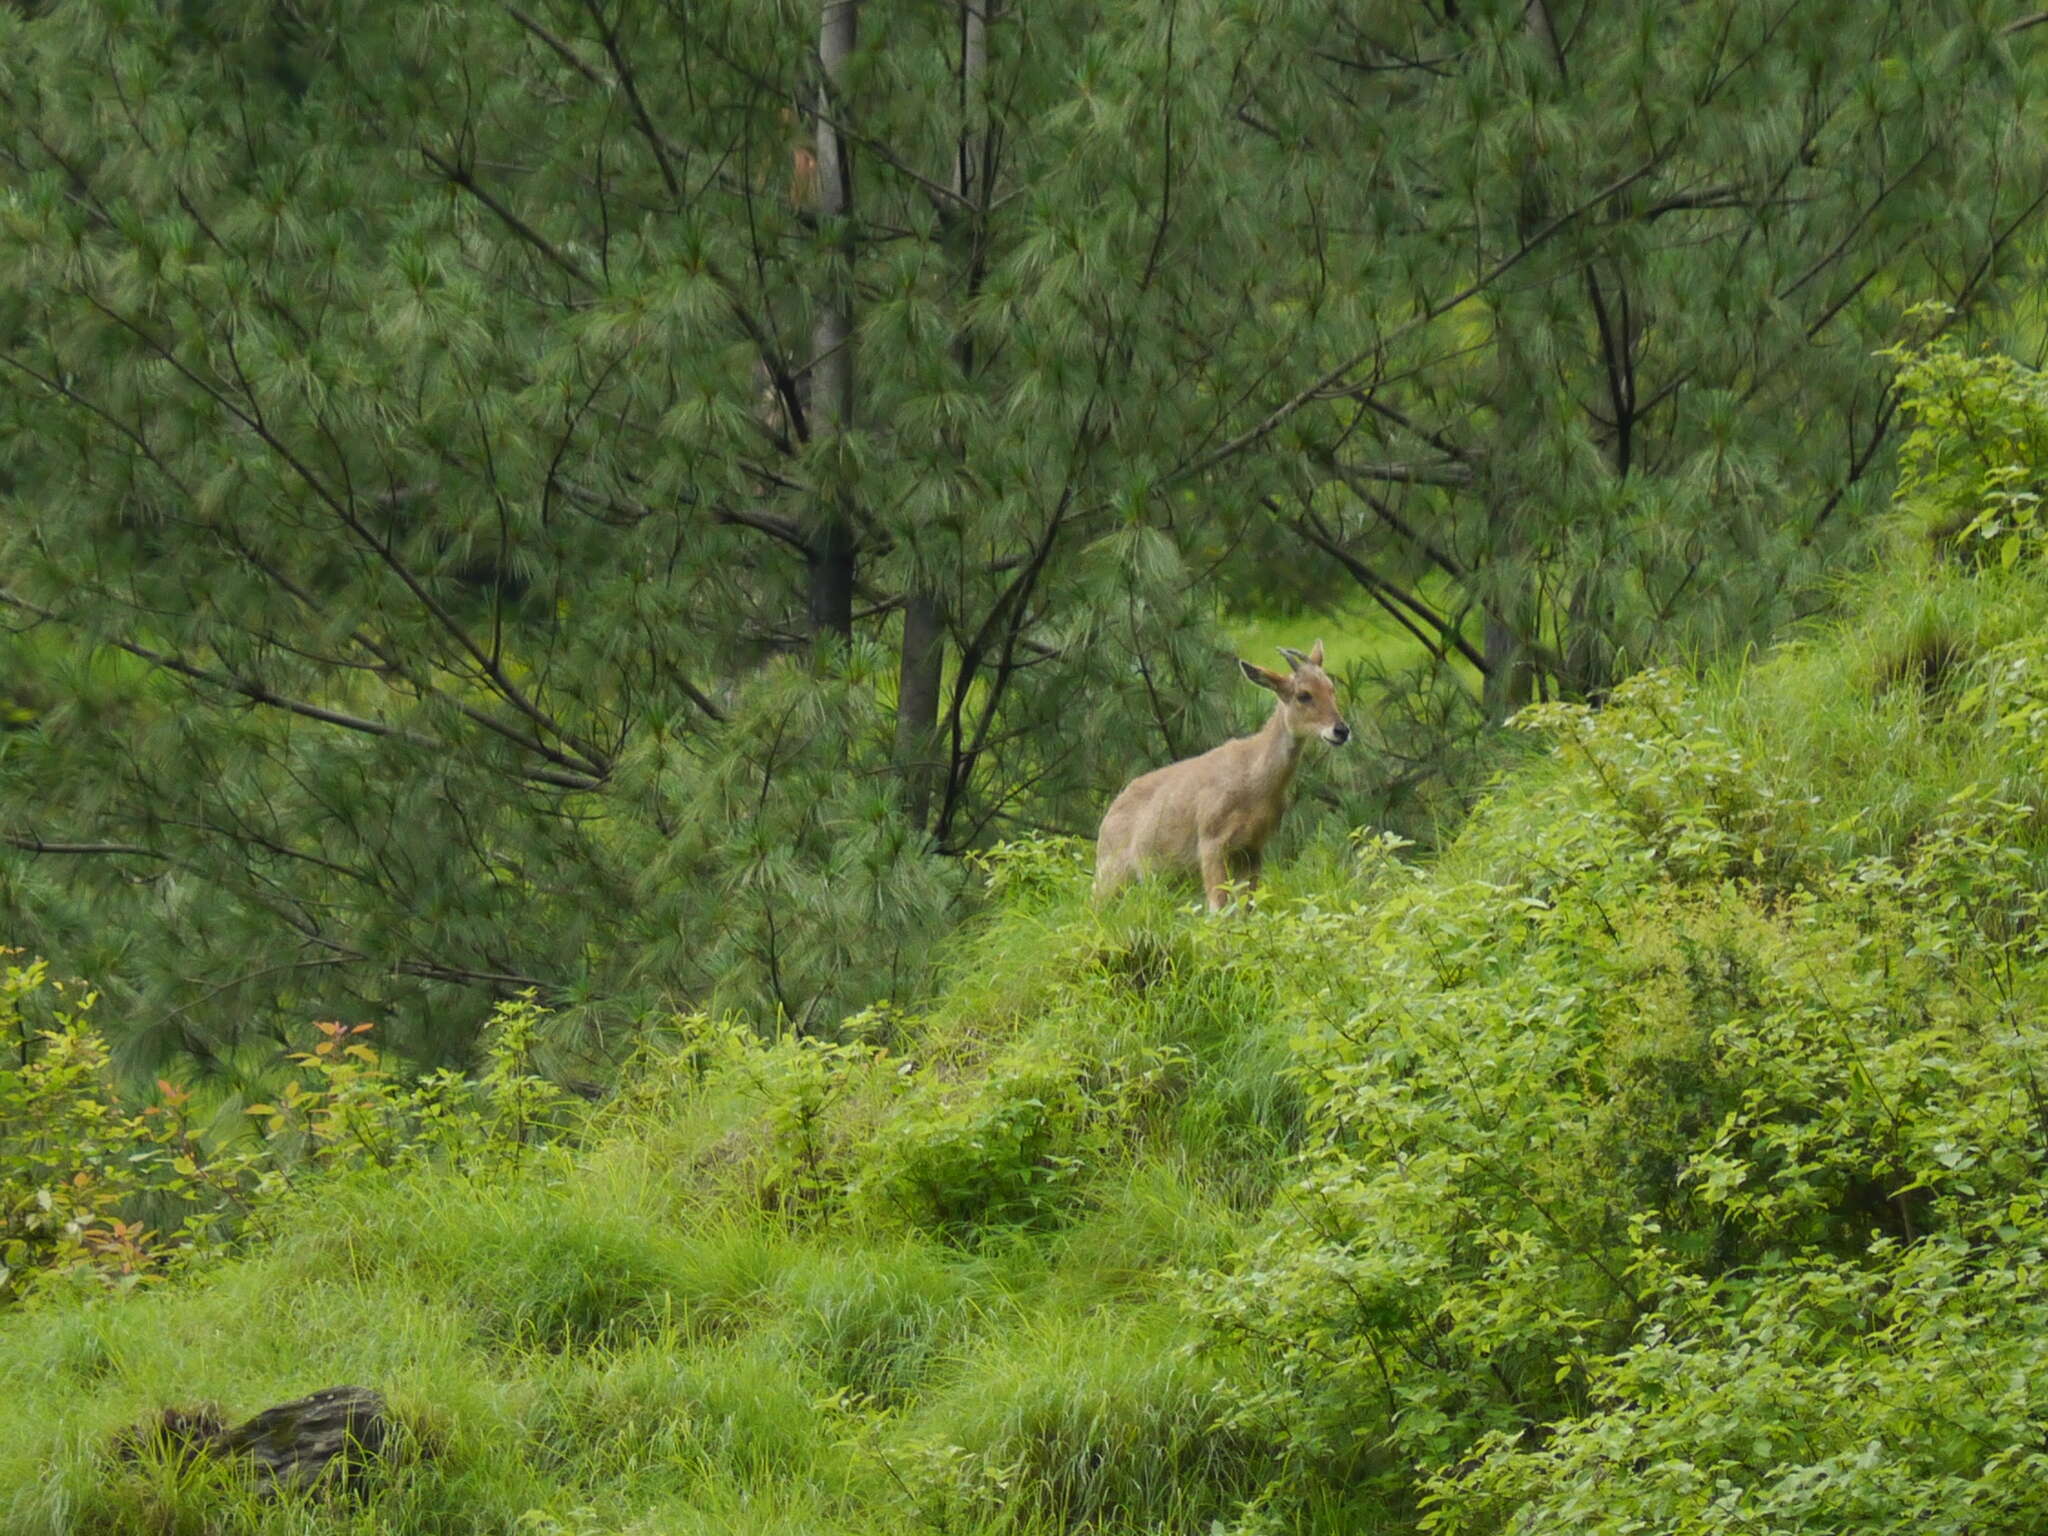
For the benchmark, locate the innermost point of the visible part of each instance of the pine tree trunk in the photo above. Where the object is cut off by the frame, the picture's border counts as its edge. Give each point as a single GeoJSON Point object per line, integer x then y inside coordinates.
{"type": "Point", "coordinates": [968, 167]}
{"type": "Point", "coordinates": [917, 702]}
{"type": "Point", "coordinates": [923, 660]}
{"type": "Point", "coordinates": [1509, 677]}
{"type": "Point", "coordinates": [830, 535]}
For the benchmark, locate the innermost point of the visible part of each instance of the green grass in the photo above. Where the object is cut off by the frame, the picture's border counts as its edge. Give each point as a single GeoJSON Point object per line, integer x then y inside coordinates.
{"type": "Point", "coordinates": [626, 1338]}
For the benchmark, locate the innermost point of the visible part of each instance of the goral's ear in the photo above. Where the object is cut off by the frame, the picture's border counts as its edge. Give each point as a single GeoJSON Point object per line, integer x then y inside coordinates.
{"type": "Point", "coordinates": [1315, 654]}
{"type": "Point", "coordinates": [1262, 677]}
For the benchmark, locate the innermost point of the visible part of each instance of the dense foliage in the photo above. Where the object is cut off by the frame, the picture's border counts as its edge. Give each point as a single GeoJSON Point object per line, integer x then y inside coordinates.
{"type": "Point", "coordinates": [1666, 1154]}
{"type": "Point", "coordinates": [575, 528]}
{"type": "Point", "coordinates": [616, 500]}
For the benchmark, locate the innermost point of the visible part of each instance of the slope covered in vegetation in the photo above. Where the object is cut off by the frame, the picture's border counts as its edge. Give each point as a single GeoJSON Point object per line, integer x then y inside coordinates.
{"type": "Point", "coordinates": [1666, 1155]}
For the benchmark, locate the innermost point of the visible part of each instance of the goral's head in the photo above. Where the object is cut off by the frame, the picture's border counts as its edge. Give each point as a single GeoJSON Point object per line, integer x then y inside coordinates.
{"type": "Point", "coordinates": [1308, 699]}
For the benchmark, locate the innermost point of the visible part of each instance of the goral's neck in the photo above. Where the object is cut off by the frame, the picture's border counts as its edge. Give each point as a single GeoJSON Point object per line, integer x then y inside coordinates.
{"type": "Point", "coordinates": [1279, 748]}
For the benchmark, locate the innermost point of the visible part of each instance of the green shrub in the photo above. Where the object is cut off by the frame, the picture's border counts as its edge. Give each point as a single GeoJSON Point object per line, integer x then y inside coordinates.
{"type": "Point", "coordinates": [95, 1187]}
{"type": "Point", "coordinates": [89, 1186]}
{"type": "Point", "coordinates": [1015, 1148]}
{"type": "Point", "coordinates": [1897, 1393]}
{"type": "Point", "coordinates": [1971, 466]}
{"type": "Point", "coordinates": [1639, 1041]}
{"type": "Point", "coordinates": [347, 1108]}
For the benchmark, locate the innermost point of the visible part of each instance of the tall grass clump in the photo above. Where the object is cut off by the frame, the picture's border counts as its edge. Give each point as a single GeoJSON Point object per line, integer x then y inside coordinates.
{"type": "Point", "coordinates": [1107, 1424]}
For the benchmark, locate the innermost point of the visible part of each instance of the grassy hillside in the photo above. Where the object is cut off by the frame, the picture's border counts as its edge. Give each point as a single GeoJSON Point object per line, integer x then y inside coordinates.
{"type": "Point", "coordinates": [1670, 1150]}
{"type": "Point", "coordinates": [1667, 1155]}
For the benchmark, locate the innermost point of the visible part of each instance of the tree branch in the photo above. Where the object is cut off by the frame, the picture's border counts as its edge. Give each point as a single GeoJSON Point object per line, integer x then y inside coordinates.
{"type": "Point", "coordinates": [610, 37]}
{"type": "Point", "coordinates": [38, 845]}
{"type": "Point", "coordinates": [258, 693]}
{"type": "Point", "coordinates": [460, 176]}
{"type": "Point", "coordinates": [1411, 474]}
{"type": "Point", "coordinates": [1438, 557]}
{"type": "Point", "coordinates": [1012, 603]}
{"type": "Point", "coordinates": [1392, 598]}
{"type": "Point", "coordinates": [561, 49]}
{"type": "Point", "coordinates": [1321, 386]}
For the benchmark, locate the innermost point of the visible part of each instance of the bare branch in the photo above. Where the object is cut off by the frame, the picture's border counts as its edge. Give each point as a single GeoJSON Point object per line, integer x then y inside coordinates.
{"type": "Point", "coordinates": [561, 49]}
{"type": "Point", "coordinates": [38, 845]}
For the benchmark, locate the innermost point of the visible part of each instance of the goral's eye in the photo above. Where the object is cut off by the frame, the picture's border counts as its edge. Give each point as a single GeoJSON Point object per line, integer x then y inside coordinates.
{"type": "Point", "coordinates": [1304, 698]}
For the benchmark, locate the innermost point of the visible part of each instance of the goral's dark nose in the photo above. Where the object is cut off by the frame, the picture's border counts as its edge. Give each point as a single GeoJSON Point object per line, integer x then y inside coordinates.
{"type": "Point", "coordinates": [1341, 734]}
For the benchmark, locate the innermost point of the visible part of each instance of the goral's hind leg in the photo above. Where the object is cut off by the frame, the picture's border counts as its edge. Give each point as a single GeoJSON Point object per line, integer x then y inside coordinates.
{"type": "Point", "coordinates": [1115, 863]}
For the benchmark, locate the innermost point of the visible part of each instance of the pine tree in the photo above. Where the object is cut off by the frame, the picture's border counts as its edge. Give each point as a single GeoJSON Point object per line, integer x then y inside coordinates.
{"type": "Point", "coordinates": [616, 498]}
{"type": "Point", "coordinates": [1595, 293]}
{"type": "Point", "coordinates": [447, 503]}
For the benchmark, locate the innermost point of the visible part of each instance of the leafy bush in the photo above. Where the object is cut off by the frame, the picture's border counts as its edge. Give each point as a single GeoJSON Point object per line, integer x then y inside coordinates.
{"type": "Point", "coordinates": [1632, 1070]}
{"type": "Point", "coordinates": [91, 1186]}
{"type": "Point", "coordinates": [1974, 464]}
{"type": "Point", "coordinates": [82, 1176]}
{"type": "Point", "coordinates": [347, 1108]}
{"type": "Point", "coordinates": [1013, 1149]}
{"type": "Point", "coordinates": [1900, 1392]}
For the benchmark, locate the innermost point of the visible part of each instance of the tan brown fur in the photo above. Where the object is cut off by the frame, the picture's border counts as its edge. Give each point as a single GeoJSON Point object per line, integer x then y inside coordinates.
{"type": "Point", "coordinates": [1213, 815]}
